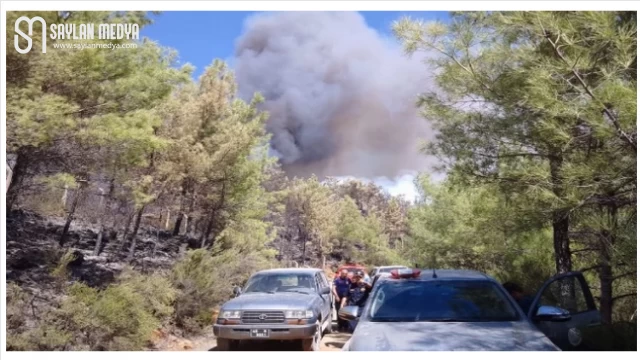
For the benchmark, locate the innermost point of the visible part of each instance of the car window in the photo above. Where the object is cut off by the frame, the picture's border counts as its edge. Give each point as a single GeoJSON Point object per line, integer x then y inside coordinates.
{"type": "Point", "coordinates": [280, 283]}
{"type": "Point", "coordinates": [323, 280]}
{"type": "Point", "coordinates": [565, 293]}
{"type": "Point", "coordinates": [454, 301]}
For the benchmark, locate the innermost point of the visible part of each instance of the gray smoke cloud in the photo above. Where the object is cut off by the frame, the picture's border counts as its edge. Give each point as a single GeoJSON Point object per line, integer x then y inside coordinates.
{"type": "Point", "coordinates": [341, 97]}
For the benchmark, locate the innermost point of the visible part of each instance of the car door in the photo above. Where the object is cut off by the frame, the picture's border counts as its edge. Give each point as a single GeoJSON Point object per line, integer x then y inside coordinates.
{"type": "Point", "coordinates": [326, 283]}
{"type": "Point", "coordinates": [322, 298]}
{"type": "Point", "coordinates": [326, 298]}
{"type": "Point", "coordinates": [570, 294]}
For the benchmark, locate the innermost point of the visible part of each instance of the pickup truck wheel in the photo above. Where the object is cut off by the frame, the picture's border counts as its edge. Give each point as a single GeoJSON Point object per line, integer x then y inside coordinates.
{"type": "Point", "coordinates": [313, 344]}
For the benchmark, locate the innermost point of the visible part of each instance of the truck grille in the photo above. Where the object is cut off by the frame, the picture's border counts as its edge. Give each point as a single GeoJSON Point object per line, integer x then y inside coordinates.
{"type": "Point", "coordinates": [262, 317]}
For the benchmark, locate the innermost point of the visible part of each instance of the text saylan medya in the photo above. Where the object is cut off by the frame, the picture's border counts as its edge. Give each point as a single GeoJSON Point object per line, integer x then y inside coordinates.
{"type": "Point", "coordinates": [75, 32]}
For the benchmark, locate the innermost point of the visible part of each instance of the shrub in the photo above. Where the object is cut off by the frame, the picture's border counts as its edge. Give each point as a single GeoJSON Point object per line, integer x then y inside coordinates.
{"type": "Point", "coordinates": [156, 289]}
{"type": "Point", "coordinates": [61, 271]}
{"type": "Point", "coordinates": [44, 337]}
{"type": "Point", "coordinates": [114, 319]}
{"type": "Point", "coordinates": [16, 300]}
{"type": "Point", "coordinates": [204, 281]}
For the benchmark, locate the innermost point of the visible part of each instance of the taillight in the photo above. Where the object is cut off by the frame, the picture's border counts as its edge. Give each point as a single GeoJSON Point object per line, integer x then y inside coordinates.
{"type": "Point", "coordinates": [405, 273]}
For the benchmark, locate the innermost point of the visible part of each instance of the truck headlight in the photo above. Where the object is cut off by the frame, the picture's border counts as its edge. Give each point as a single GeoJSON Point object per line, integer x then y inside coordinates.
{"type": "Point", "coordinates": [230, 315]}
{"type": "Point", "coordinates": [298, 314]}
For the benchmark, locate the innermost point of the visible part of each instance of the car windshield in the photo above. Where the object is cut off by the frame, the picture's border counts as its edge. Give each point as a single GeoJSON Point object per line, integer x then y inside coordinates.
{"type": "Point", "coordinates": [273, 283]}
{"type": "Point", "coordinates": [446, 301]}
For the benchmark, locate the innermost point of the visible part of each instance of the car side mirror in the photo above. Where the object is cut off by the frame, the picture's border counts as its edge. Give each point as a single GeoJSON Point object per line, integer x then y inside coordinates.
{"type": "Point", "coordinates": [325, 291]}
{"type": "Point", "coordinates": [237, 291]}
{"type": "Point", "coordinates": [551, 313]}
{"type": "Point", "coordinates": [349, 313]}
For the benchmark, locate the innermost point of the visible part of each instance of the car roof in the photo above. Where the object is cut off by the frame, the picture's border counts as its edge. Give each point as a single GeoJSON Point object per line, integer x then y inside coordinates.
{"type": "Point", "coordinates": [446, 274]}
{"type": "Point", "coordinates": [289, 271]}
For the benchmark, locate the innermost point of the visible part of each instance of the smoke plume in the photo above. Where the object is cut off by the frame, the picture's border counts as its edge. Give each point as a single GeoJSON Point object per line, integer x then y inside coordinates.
{"type": "Point", "coordinates": [341, 97]}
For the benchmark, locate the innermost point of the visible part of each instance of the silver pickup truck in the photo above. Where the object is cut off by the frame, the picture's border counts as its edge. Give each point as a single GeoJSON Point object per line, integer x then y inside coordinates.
{"type": "Point", "coordinates": [280, 304]}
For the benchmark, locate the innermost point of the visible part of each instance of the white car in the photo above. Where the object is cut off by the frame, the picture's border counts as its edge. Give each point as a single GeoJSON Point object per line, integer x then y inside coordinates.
{"type": "Point", "coordinates": [385, 270]}
{"type": "Point", "coordinates": [449, 310]}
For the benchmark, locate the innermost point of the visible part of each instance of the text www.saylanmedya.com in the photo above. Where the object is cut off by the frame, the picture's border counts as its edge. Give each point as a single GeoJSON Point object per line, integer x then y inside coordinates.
{"type": "Point", "coordinates": [82, 46]}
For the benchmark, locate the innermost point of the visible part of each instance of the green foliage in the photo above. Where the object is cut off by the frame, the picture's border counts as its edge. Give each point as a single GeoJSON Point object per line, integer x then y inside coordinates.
{"type": "Point", "coordinates": [156, 289]}
{"type": "Point", "coordinates": [205, 281]}
{"type": "Point", "coordinates": [542, 108]}
{"type": "Point", "coordinates": [16, 298]}
{"type": "Point", "coordinates": [479, 229]}
{"type": "Point", "coordinates": [61, 271]}
{"type": "Point", "coordinates": [116, 318]}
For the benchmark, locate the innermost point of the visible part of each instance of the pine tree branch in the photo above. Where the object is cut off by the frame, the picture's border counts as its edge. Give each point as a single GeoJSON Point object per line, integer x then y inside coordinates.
{"type": "Point", "coordinates": [584, 250]}
{"type": "Point", "coordinates": [624, 275]}
{"type": "Point", "coordinates": [594, 267]}
{"type": "Point", "coordinates": [607, 111]}
{"type": "Point", "coordinates": [615, 298]}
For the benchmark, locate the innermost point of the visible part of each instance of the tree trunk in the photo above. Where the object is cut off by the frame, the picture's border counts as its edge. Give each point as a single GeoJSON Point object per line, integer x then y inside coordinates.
{"type": "Point", "coordinates": [155, 244]}
{"type": "Point", "coordinates": [74, 205]}
{"type": "Point", "coordinates": [303, 236]}
{"type": "Point", "coordinates": [126, 231]}
{"type": "Point", "coordinates": [105, 210]}
{"type": "Point", "coordinates": [207, 232]}
{"type": "Point", "coordinates": [17, 178]}
{"type": "Point", "coordinates": [134, 234]}
{"type": "Point", "coordinates": [181, 213]}
{"type": "Point", "coordinates": [561, 241]}
{"type": "Point", "coordinates": [9, 176]}
{"type": "Point", "coordinates": [560, 219]}
{"type": "Point", "coordinates": [178, 224]}
{"type": "Point", "coordinates": [190, 218]}
{"type": "Point", "coordinates": [607, 240]}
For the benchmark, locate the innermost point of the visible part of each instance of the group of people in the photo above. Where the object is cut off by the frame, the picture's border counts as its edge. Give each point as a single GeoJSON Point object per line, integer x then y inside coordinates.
{"type": "Point", "coordinates": [349, 292]}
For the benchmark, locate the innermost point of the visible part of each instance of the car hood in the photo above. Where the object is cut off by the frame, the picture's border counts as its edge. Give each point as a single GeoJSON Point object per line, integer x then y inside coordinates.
{"type": "Point", "coordinates": [265, 301]}
{"type": "Point", "coordinates": [439, 336]}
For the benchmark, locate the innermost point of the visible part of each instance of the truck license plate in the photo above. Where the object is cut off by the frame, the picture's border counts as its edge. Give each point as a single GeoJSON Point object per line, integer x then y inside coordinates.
{"type": "Point", "coordinates": [260, 333]}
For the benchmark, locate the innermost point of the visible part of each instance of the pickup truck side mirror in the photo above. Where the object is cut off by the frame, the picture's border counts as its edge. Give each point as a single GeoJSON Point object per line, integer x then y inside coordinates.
{"type": "Point", "coordinates": [551, 313]}
{"type": "Point", "coordinates": [325, 291]}
{"type": "Point", "coordinates": [237, 291]}
{"type": "Point", "coordinates": [349, 313]}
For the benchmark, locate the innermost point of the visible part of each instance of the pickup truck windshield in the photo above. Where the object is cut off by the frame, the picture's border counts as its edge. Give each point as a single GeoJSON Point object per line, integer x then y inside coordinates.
{"type": "Point", "coordinates": [445, 301]}
{"type": "Point", "coordinates": [273, 283]}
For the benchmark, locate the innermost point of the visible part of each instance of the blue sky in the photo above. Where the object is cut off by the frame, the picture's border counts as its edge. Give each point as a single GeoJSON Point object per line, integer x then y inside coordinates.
{"type": "Point", "coordinates": [201, 36]}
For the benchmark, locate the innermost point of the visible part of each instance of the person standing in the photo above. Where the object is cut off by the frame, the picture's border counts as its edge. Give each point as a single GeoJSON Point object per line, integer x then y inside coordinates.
{"type": "Point", "coordinates": [341, 286]}
{"type": "Point", "coordinates": [358, 293]}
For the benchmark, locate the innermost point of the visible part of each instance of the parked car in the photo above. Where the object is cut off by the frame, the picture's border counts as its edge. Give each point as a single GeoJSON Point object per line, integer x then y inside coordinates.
{"type": "Point", "coordinates": [351, 269]}
{"type": "Point", "coordinates": [291, 304]}
{"type": "Point", "coordinates": [385, 269]}
{"type": "Point", "coordinates": [467, 310]}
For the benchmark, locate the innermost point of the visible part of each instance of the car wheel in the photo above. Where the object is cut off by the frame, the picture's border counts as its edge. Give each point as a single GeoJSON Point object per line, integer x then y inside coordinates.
{"type": "Point", "coordinates": [313, 344]}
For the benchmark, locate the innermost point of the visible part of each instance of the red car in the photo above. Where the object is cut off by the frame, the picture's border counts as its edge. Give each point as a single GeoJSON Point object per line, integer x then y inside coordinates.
{"type": "Point", "coordinates": [351, 268]}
